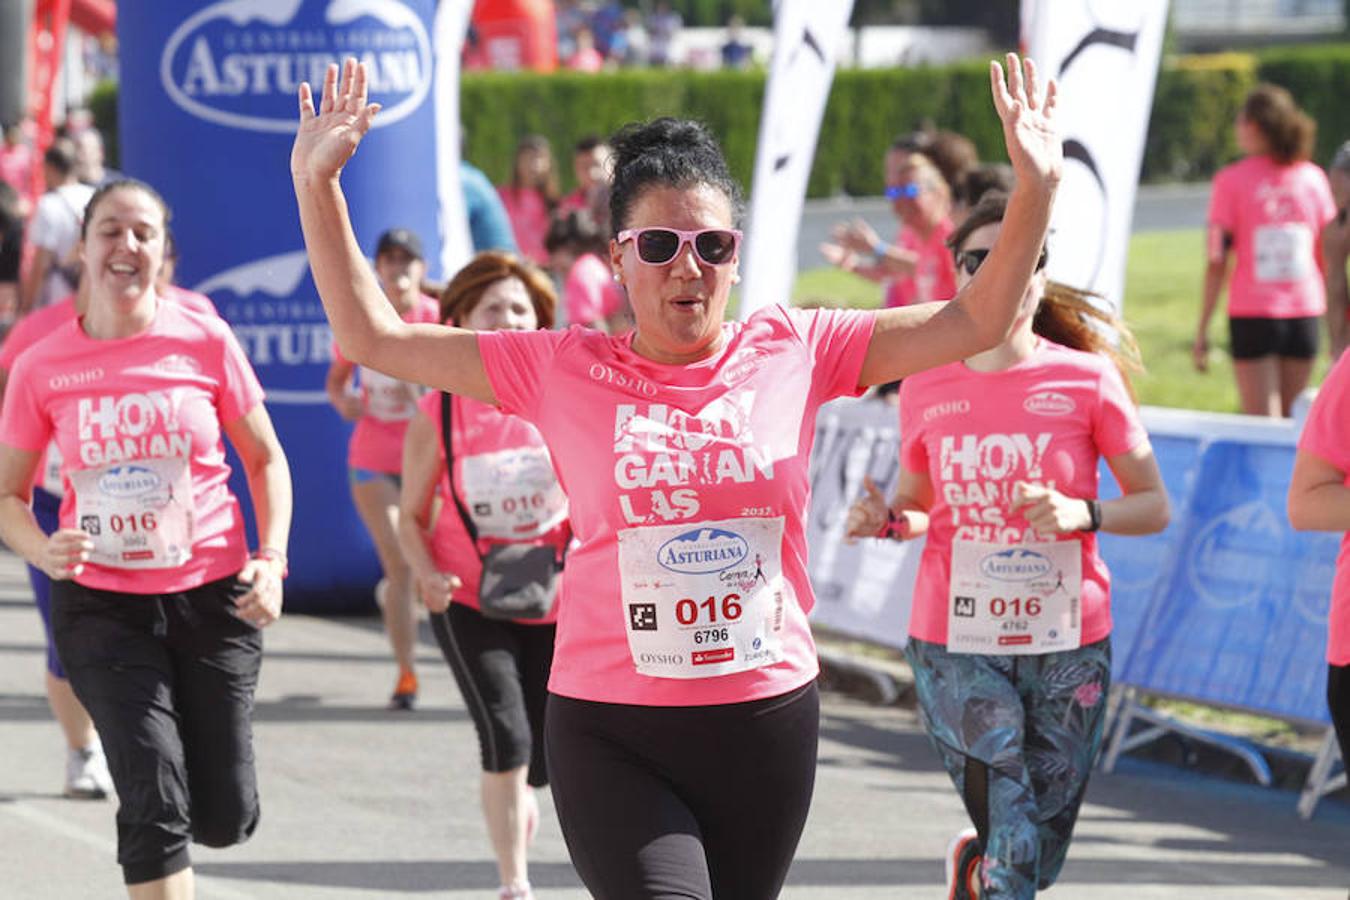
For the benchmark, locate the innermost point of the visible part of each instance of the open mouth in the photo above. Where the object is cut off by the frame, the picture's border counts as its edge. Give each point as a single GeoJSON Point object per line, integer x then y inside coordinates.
{"type": "Point", "coordinates": [123, 269]}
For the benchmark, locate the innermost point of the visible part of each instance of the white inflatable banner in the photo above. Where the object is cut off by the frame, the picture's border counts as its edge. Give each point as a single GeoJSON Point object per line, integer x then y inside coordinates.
{"type": "Point", "coordinates": [807, 36]}
{"type": "Point", "coordinates": [1105, 57]}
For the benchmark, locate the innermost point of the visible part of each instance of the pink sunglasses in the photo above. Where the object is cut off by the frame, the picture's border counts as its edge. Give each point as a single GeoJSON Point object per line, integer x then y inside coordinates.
{"type": "Point", "coordinates": [658, 246]}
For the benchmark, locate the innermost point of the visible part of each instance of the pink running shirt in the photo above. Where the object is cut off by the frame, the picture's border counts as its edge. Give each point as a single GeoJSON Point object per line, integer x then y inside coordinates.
{"type": "Point", "coordinates": [1275, 215]}
{"type": "Point", "coordinates": [1325, 435]}
{"type": "Point", "coordinates": [1046, 420]}
{"type": "Point", "coordinates": [156, 399]}
{"type": "Point", "coordinates": [934, 276]}
{"type": "Point", "coordinates": [504, 448]}
{"type": "Point", "coordinates": [688, 490]}
{"type": "Point", "coordinates": [590, 292]}
{"type": "Point", "coordinates": [377, 440]}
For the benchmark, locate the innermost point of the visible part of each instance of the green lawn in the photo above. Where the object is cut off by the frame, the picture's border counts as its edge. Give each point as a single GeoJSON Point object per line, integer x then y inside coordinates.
{"type": "Point", "coordinates": [1162, 299]}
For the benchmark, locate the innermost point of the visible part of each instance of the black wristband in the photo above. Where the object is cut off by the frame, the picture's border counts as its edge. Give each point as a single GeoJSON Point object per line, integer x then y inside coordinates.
{"type": "Point", "coordinates": [1094, 515]}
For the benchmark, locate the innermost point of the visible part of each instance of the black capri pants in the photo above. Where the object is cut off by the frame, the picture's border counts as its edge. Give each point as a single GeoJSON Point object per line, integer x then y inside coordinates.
{"type": "Point", "coordinates": [502, 669]}
{"type": "Point", "coordinates": [700, 802]}
{"type": "Point", "coordinates": [169, 681]}
{"type": "Point", "coordinates": [1338, 700]}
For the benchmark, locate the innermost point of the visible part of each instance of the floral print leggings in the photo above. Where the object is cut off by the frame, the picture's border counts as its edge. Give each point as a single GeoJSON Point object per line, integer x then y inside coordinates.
{"type": "Point", "coordinates": [1018, 735]}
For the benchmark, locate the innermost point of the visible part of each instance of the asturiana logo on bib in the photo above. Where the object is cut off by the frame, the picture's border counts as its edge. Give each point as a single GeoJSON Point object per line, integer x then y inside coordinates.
{"type": "Point", "coordinates": [239, 63]}
{"type": "Point", "coordinates": [1015, 564]}
{"type": "Point", "coordinates": [128, 481]}
{"type": "Point", "coordinates": [1049, 403]}
{"type": "Point", "coordinates": [702, 551]}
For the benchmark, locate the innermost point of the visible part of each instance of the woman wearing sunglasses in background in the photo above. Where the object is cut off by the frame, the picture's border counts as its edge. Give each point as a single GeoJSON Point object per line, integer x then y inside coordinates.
{"type": "Point", "coordinates": [999, 468]}
{"type": "Point", "coordinates": [683, 714]}
{"type": "Point", "coordinates": [917, 268]}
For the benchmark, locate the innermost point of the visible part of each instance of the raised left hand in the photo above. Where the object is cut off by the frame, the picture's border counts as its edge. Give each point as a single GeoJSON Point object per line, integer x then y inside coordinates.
{"type": "Point", "coordinates": [261, 606]}
{"type": "Point", "coordinates": [1048, 511]}
{"type": "Point", "coordinates": [1028, 116]}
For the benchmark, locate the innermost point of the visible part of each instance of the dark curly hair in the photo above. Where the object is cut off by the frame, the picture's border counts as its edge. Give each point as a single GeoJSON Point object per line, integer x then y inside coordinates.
{"type": "Point", "coordinates": [669, 153]}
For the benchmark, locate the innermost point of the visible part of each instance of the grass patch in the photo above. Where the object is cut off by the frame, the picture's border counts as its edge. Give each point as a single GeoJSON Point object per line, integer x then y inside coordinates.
{"type": "Point", "coordinates": [1163, 283]}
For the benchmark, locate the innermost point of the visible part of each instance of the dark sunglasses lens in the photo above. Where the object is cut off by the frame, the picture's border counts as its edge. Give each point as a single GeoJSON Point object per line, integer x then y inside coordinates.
{"type": "Point", "coordinates": [1040, 262]}
{"type": "Point", "coordinates": [715, 247]}
{"type": "Point", "coordinates": [971, 259]}
{"type": "Point", "coordinates": [656, 245]}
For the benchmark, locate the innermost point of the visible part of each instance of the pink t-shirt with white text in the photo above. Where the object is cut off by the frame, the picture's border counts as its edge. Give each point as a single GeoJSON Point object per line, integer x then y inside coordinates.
{"type": "Point", "coordinates": [1326, 434]}
{"type": "Point", "coordinates": [1274, 214]}
{"type": "Point", "coordinates": [934, 276]}
{"type": "Point", "coordinates": [389, 405]}
{"type": "Point", "coordinates": [590, 292]}
{"type": "Point", "coordinates": [1046, 421]}
{"type": "Point", "coordinates": [680, 475]}
{"type": "Point", "coordinates": [161, 395]}
{"type": "Point", "coordinates": [489, 441]}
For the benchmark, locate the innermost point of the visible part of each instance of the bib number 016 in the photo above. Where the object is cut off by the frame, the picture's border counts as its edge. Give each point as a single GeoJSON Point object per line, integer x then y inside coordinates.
{"type": "Point", "coordinates": [132, 523]}
{"type": "Point", "coordinates": [1015, 606]}
{"type": "Point", "coordinates": [689, 611]}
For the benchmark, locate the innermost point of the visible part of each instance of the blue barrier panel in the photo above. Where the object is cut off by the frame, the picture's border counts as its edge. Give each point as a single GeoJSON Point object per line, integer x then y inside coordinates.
{"type": "Point", "coordinates": [1240, 618]}
{"type": "Point", "coordinates": [1138, 563]}
{"type": "Point", "coordinates": [207, 112]}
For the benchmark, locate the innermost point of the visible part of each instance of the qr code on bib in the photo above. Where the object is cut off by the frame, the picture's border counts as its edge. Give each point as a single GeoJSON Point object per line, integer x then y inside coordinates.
{"type": "Point", "coordinates": [642, 616]}
{"type": "Point", "coordinates": [964, 607]}
{"type": "Point", "coordinates": [89, 525]}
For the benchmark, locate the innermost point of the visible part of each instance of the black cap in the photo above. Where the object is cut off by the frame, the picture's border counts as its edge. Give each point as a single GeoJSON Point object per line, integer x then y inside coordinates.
{"type": "Point", "coordinates": [400, 238]}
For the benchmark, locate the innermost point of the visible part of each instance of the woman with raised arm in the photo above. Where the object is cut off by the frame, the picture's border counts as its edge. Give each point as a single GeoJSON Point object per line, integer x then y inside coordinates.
{"type": "Point", "coordinates": [683, 713]}
{"type": "Point", "coordinates": [1009, 637]}
{"type": "Point", "coordinates": [156, 604]}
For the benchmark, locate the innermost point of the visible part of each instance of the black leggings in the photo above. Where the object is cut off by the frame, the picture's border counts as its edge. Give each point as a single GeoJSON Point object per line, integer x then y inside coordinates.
{"type": "Point", "coordinates": [690, 802]}
{"type": "Point", "coordinates": [502, 670]}
{"type": "Point", "coordinates": [1338, 699]}
{"type": "Point", "coordinates": [169, 681]}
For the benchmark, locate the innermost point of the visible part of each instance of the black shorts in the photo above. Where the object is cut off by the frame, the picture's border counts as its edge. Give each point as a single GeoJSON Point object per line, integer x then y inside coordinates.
{"type": "Point", "coordinates": [1254, 338]}
{"type": "Point", "coordinates": [1338, 701]}
{"type": "Point", "coordinates": [502, 671]}
{"type": "Point", "coordinates": [169, 681]}
{"type": "Point", "coordinates": [696, 802]}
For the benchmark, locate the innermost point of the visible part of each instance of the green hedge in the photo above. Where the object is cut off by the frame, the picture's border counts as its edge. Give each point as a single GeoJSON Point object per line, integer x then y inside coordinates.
{"type": "Point", "coordinates": [1190, 133]}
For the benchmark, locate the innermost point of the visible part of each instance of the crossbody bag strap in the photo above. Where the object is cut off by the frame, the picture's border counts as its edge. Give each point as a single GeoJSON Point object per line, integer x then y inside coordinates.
{"type": "Point", "coordinates": [447, 403]}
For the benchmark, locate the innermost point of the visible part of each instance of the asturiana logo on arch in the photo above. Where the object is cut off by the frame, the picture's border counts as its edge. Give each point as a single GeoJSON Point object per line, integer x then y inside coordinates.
{"type": "Point", "coordinates": [1015, 564]}
{"type": "Point", "coordinates": [702, 550]}
{"type": "Point", "coordinates": [239, 63]}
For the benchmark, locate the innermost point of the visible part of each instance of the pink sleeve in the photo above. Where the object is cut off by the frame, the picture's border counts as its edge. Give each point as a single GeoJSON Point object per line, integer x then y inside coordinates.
{"type": "Point", "coordinates": [838, 339]}
{"type": "Point", "coordinates": [913, 453]}
{"type": "Point", "coordinates": [23, 421]}
{"type": "Point", "coordinates": [1325, 432]}
{"type": "Point", "coordinates": [1116, 428]}
{"type": "Point", "coordinates": [1221, 212]}
{"type": "Point", "coordinates": [584, 291]}
{"type": "Point", "coordinates": [15, 342]}
{"type": "Point", "coordinates": [240, 391]}
{"type": "Point", "coordinates": [516, 363]}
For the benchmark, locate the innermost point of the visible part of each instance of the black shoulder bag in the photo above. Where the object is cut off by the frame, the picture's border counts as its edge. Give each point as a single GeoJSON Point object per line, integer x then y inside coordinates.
{"type": "Point", "coordinates": [519, 581]}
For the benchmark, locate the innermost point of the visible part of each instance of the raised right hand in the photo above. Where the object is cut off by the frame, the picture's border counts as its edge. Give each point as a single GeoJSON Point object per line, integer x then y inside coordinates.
{"type": "Point", "coordinates": [65, 553]}
{"type": "Point", "coordinates": [326, 140]}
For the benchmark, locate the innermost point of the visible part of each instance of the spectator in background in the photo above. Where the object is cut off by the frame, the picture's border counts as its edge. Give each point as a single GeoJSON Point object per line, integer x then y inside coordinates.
{"type": "Point", "coordinates": [605, 22]}
{"type": "Point", "coordinates": [918, 267]}
{"type": "Point", "coordinates": [531, 196]}
{"type": "Point", "coordinates": [663, 25]}
{"type": "Point", "coordinates": [55, 231]}
{"type": "Point", "coordinates": [1267, 211]}
{"type": "Point", "coordinates": [489, 226]}
{"type": "Point", "coordinates": [628, 46]}
{"type": "Point", "coordinates": [736, 53]}
{"type": "Point", "coordinates": [585, 58]}
{"type": "Point", "coordinates": [16, 165]}
{"type": "Point", "coordinates": [1336, 253]}
{"type": "Point", "coordinates": [89, 167]}
{"type": "Point", "coordinates": [591, 166]}
{"type": "Point", "coordinates": [955, 156]}
{"type": "Point", "coordinates": [11, 252]}
{"type": "Point", "coordinates": [570, 18]}
{"type": "Point", "coordinates": [591, 297]}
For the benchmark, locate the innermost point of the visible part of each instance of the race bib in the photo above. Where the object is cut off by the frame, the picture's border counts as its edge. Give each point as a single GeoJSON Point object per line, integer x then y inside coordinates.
{"type": "Point", "coordinates": [704, 599]}
{"type": "Point", "coordinates": [1015, 600]}
{"type": "Point", "coordinates": [1283, 252]}
{"type": "Point", "coordinates": [513, 494]}
{"type": "Point", "coordinates": [388, 399]}
{"type": "Point", "coordinates": [139, 514]}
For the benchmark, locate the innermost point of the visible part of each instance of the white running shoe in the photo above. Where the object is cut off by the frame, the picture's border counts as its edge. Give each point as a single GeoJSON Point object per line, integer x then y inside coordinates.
{"type": "Point", "coordinates": [87, 775]}
{"type": "Point", "coordinates": [963, 866]}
